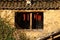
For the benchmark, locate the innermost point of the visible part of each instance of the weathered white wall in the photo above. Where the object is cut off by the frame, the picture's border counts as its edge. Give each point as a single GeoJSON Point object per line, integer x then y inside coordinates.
{"type": "Point", "coordinates": [8, 16]}
{"type": "Point", "coordinates": [51, 22]}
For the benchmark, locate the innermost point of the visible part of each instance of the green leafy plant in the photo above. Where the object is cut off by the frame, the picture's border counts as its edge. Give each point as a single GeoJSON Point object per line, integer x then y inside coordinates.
{"type": "Point", "coordinates": [6, 32]}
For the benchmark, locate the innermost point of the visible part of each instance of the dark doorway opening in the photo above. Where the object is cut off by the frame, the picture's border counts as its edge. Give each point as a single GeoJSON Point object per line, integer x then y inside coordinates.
{"type": "Point", "coordinates": [37, 20]}
{"type": "Point", "coordinates": [22, 20]}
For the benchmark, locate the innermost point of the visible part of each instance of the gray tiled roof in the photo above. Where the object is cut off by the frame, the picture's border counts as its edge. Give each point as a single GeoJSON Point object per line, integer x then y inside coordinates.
{"type": "Point", "coordinates": [21, 5]}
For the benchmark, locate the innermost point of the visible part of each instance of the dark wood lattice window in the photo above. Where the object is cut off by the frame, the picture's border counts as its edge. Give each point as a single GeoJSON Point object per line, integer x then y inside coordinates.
{"type": "Point", "coordinates": [29, 20]}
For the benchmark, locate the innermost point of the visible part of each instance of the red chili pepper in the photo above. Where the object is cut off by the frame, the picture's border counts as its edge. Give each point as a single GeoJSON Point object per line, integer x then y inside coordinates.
{"type": "Point", "coordinates": [28, 17]}
{"type": "Point", "coordinates": [39, 17]}
{"type": "Point", "coordinates": [24, 17]}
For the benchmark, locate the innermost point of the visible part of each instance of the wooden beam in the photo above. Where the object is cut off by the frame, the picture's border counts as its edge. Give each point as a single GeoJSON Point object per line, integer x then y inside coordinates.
{"type": "Point", "coordinates": [30, 21]}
